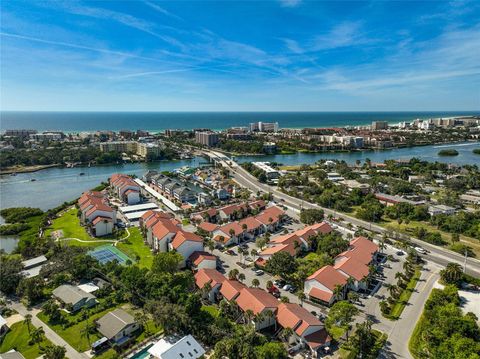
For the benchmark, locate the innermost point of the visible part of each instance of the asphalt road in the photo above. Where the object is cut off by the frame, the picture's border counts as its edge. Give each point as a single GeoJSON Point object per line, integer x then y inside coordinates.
{"type": "Point", "coordinates": [49, 333]}
{"type": "Point", "coordinates": [438, 255]}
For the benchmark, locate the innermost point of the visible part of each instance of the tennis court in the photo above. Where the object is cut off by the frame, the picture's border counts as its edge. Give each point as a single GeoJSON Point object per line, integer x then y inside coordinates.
{"type": "Point", "coordinates": [108, 253]}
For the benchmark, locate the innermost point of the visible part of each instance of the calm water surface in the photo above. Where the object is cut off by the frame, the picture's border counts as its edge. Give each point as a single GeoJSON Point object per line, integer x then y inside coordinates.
{"type": "Point", "coordinates": [56, 185]}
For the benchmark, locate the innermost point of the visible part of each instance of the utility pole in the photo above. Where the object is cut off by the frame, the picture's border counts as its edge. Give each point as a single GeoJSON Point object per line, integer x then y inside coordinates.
{"type": "Point", "coordinates": [465, 262]}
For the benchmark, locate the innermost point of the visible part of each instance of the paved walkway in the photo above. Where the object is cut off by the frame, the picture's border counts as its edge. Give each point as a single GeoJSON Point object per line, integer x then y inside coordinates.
{"type": "Point", "coordinates": [49, 333]}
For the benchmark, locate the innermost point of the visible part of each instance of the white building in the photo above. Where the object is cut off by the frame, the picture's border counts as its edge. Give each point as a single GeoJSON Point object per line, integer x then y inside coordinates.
{"type": "Point", "coordinates": [187, 348]}
{"type": "Point", "coordinates": [441, 209]}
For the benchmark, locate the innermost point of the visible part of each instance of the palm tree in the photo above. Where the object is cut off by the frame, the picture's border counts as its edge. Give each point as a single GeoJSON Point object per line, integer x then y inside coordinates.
{"type": "Point", "coordinates": [286, 333]}
{"type": "Point", "coordinates": [232, 274]}
{"type": "Point", "coordinates": [206, 290]}
{"type": "Point", "coordinates": [248, 316]}
{"type": "Point", "coordinates": [241, 277]}
{"type": "Point", "coordinates": [269, 284]}
{"type": "Point", "coordinates": [255, 282]}
{"type": "Point", "coordinates": [338, 291]}
{"type": "Point", "coordinates": [28, 321]}
{"type": "Point", "coordinates": [269, 315]}
{"type": "Point", "coordinates": [87, 330]}
{"type": "Point", "coordinates": [254, 253]}
{"type": "Point", "coordinates": [301, 297]}
{"type": "Point", "coordinates": [452, 273]}
{"type": "Point", "coordinates": [37, 335]}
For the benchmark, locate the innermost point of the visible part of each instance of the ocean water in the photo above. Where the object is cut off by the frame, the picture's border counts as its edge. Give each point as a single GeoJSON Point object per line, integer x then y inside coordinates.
{"type": "Point", "coordinates": [158, 121]}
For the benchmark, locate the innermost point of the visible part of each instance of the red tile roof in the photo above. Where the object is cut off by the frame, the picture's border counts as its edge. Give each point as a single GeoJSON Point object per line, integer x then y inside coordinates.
{"type": "Point", "coordinates": [198, 257]}
{"type": "Point", "coordinates": [291, 315]}
{"type": "Point", "coordinates": [207, 226]}
{"type": "Point", "coordinates": [231, 289]}
{"type": "Point", "coordinates": [251, 223]}
{"type": "Point", "coordinates": [317, 339]}
{"type": "Point", "coordinates": [237, 229]}
{"type": "Point", "coordinates": [212, 276]}
{"type": "Point", "coordinates": [100, 219]}
{"type": "Point", "coordinates": [353, 268]}
{"type": "Point", "coordinates": [163, 227]}
{"type": "Point", "coordinates": [329, 277]}
{"type": "Point", "coordinates": [320, 294]}
{"type": "Point", "coordinates": [256, 300]}
{"type": "Point", "coordinates": [182, 237]}
{"type": "Point", "coordinates": [222, 239]}
{"type": "Point", "coordinates": [272, 213]}
{"type": "Point", "coordinates": [99, 207]}
{"type": "Point", "coordinates": [289, 248]}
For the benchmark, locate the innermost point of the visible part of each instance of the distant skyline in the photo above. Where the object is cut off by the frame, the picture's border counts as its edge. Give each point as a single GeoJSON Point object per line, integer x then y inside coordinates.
{"type": "Point", "coordinates": [287, 55]}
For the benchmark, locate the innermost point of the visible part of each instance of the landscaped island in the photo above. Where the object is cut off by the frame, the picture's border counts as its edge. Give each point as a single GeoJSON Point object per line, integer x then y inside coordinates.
{"type": "Point", "coordinates": [448, 152]}
{"type": "Point", "coordinates": [476, 151]}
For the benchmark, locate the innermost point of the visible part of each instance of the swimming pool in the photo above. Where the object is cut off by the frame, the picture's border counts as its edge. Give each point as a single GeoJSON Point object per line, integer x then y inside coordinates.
{"type": "Point", "coordinates": [142, 354]}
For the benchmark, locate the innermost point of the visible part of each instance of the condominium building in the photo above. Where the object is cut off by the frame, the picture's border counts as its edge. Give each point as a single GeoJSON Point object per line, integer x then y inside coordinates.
{"type": "Point", "coordinates": [379, 125]}
{"type": "Point", "coordinates": [118, 146]}
{"type": "Point", "coordinates": [20, 133]}
{"type": "Point", "coordinates": [206, 138]}
{"type": "Point", "coordinates": [264, 126]}
{"type": "Point", "coordinates": [144, 149]}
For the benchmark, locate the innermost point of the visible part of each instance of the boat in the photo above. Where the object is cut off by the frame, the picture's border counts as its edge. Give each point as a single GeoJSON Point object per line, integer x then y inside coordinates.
{"type": "Point", "coordinates": [81, 173]}
{"type": "Point", "coordinates": [33, 180]}
{"type": "Point", "coordinates": [13, 174]}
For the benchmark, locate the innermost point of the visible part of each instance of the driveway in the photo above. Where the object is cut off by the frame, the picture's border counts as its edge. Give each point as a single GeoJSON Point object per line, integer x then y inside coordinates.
{"type": "Point", "coordinates": [49, 333]}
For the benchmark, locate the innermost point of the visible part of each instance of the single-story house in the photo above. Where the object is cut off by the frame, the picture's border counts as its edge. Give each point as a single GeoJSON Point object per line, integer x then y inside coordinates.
{"type": "Point", "coordinates": [74, 297]}
{"type": "Point", "coordinates": [117, 326]}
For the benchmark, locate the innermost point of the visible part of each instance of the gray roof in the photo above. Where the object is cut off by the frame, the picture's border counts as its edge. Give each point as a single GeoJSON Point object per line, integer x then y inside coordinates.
{"type": "Point", "coordinates": [70, 294]}
{"type": "Point", "coordinates": [114, 322]}
{"type": "Point", "coordinates": [172, 185]}
{"type": "Point", "coordinates": [12, 354]}
{"type": "Point", "coordinates": [34, 262]}
{"type": "Point", "coordinates": [181, 190]}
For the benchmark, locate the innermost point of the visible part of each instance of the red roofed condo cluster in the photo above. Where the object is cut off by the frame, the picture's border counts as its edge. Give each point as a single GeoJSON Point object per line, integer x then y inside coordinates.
{"type": "Point", "coordinates": [96, 213]}
{"type": "Point", "coordinates": [265, 310]}
{"type": "Point", "coordinates": [125, 188]}
{"type": "Point", "coordinates": [292, 243]}
{"type": "Point", "coordinates": [350, 271]}
{"type": "Point", "coordinates": [244, 229]}
{"type": "Point", "coordinates": [164, 233]}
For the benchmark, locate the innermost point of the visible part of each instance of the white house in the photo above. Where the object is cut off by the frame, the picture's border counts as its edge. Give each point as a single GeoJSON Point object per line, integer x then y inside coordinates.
{"type": "Point", "coordinates": [102, 226]}
{"type": "Point", "coordinates": [441, 209]}
{"type": "Point", "coordinates": [202, 260]}
{"type": "Point", "coordinates": [259, 302]}
{"type": "Point", "coordinates": [169, 348]}
{"type": "Point", "coordinates": [320, 286]}
{"type": "Point", "coordinates": [186, 244]}
{"type": "Point", "coordinates": [117, 326]}
{"type": "Point", "coordinates": [210, 277]}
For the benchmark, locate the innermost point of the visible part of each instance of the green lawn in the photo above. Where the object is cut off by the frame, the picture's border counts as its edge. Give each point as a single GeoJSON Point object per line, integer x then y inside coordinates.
{"type": "Point", "coordinates": [18, 337]}
{"type": "Point", "coordinates": [69, 223]}
{"type": "Point", "coordinates": [135, 248]}
{"type": "Point", "coordinates": [393, 225]}
{"type": "Point", "coordinates": [72, 335]}
{"type": "Point", "coordinates": [398, 307]}
{"type": "Point", "coordinates": [213, 310]}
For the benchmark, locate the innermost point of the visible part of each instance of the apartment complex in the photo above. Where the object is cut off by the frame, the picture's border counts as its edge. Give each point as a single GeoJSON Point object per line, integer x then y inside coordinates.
{"type": "Point", "coordinates": [206, 138]}
{"type": "Point", "coordinates": [264, 126]}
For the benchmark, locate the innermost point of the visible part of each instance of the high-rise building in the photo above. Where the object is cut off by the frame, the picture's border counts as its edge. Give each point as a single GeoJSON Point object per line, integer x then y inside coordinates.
{"type": "Point", "coordinates": [207, 138]}
{"type": "Point", "coordinates": [118, 146]}
{"type": "Point", "coordinates": [20, 133]}
{"type": "Point", "coordinates": [264, 126]}
{"type": "Point", "coordinates": [144, 149]}
{"type": "Point", "coordinates": [379, 125]}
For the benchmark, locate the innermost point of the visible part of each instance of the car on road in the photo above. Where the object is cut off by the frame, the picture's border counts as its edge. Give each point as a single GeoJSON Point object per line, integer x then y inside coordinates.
{"type": "Point", "coordinates": [420, 250]}
{"type": "Point", "coordinates": [259, 272]}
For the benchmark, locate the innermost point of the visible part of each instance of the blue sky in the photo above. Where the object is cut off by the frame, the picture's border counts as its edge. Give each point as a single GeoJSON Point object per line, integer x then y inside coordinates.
{"type": "Point", "coordinates": [287, 55]}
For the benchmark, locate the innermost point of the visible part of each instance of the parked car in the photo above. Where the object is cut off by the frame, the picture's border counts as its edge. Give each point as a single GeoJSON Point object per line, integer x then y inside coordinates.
{"type": "Point", "coordinates": [292, 289]}
{"type": "Point", "coordinates": [400, 253]}
{"type": "Point", "coordinates": [287, 287]}
{"type": "Point", "coordinates": [231, 252]}
{"type": "Point", "coordinates": [249, 259]}
{"type": "Point", "coordinates": [279, 283]}
{"type": "Point", "coordinates": [259, 272]}
{"type": "Point", "coordinates": [273, 290]}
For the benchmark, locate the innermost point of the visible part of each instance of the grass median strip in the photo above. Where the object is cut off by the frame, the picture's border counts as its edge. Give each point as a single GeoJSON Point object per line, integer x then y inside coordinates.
{"type": "Point", "coordinates": [399, 306]}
